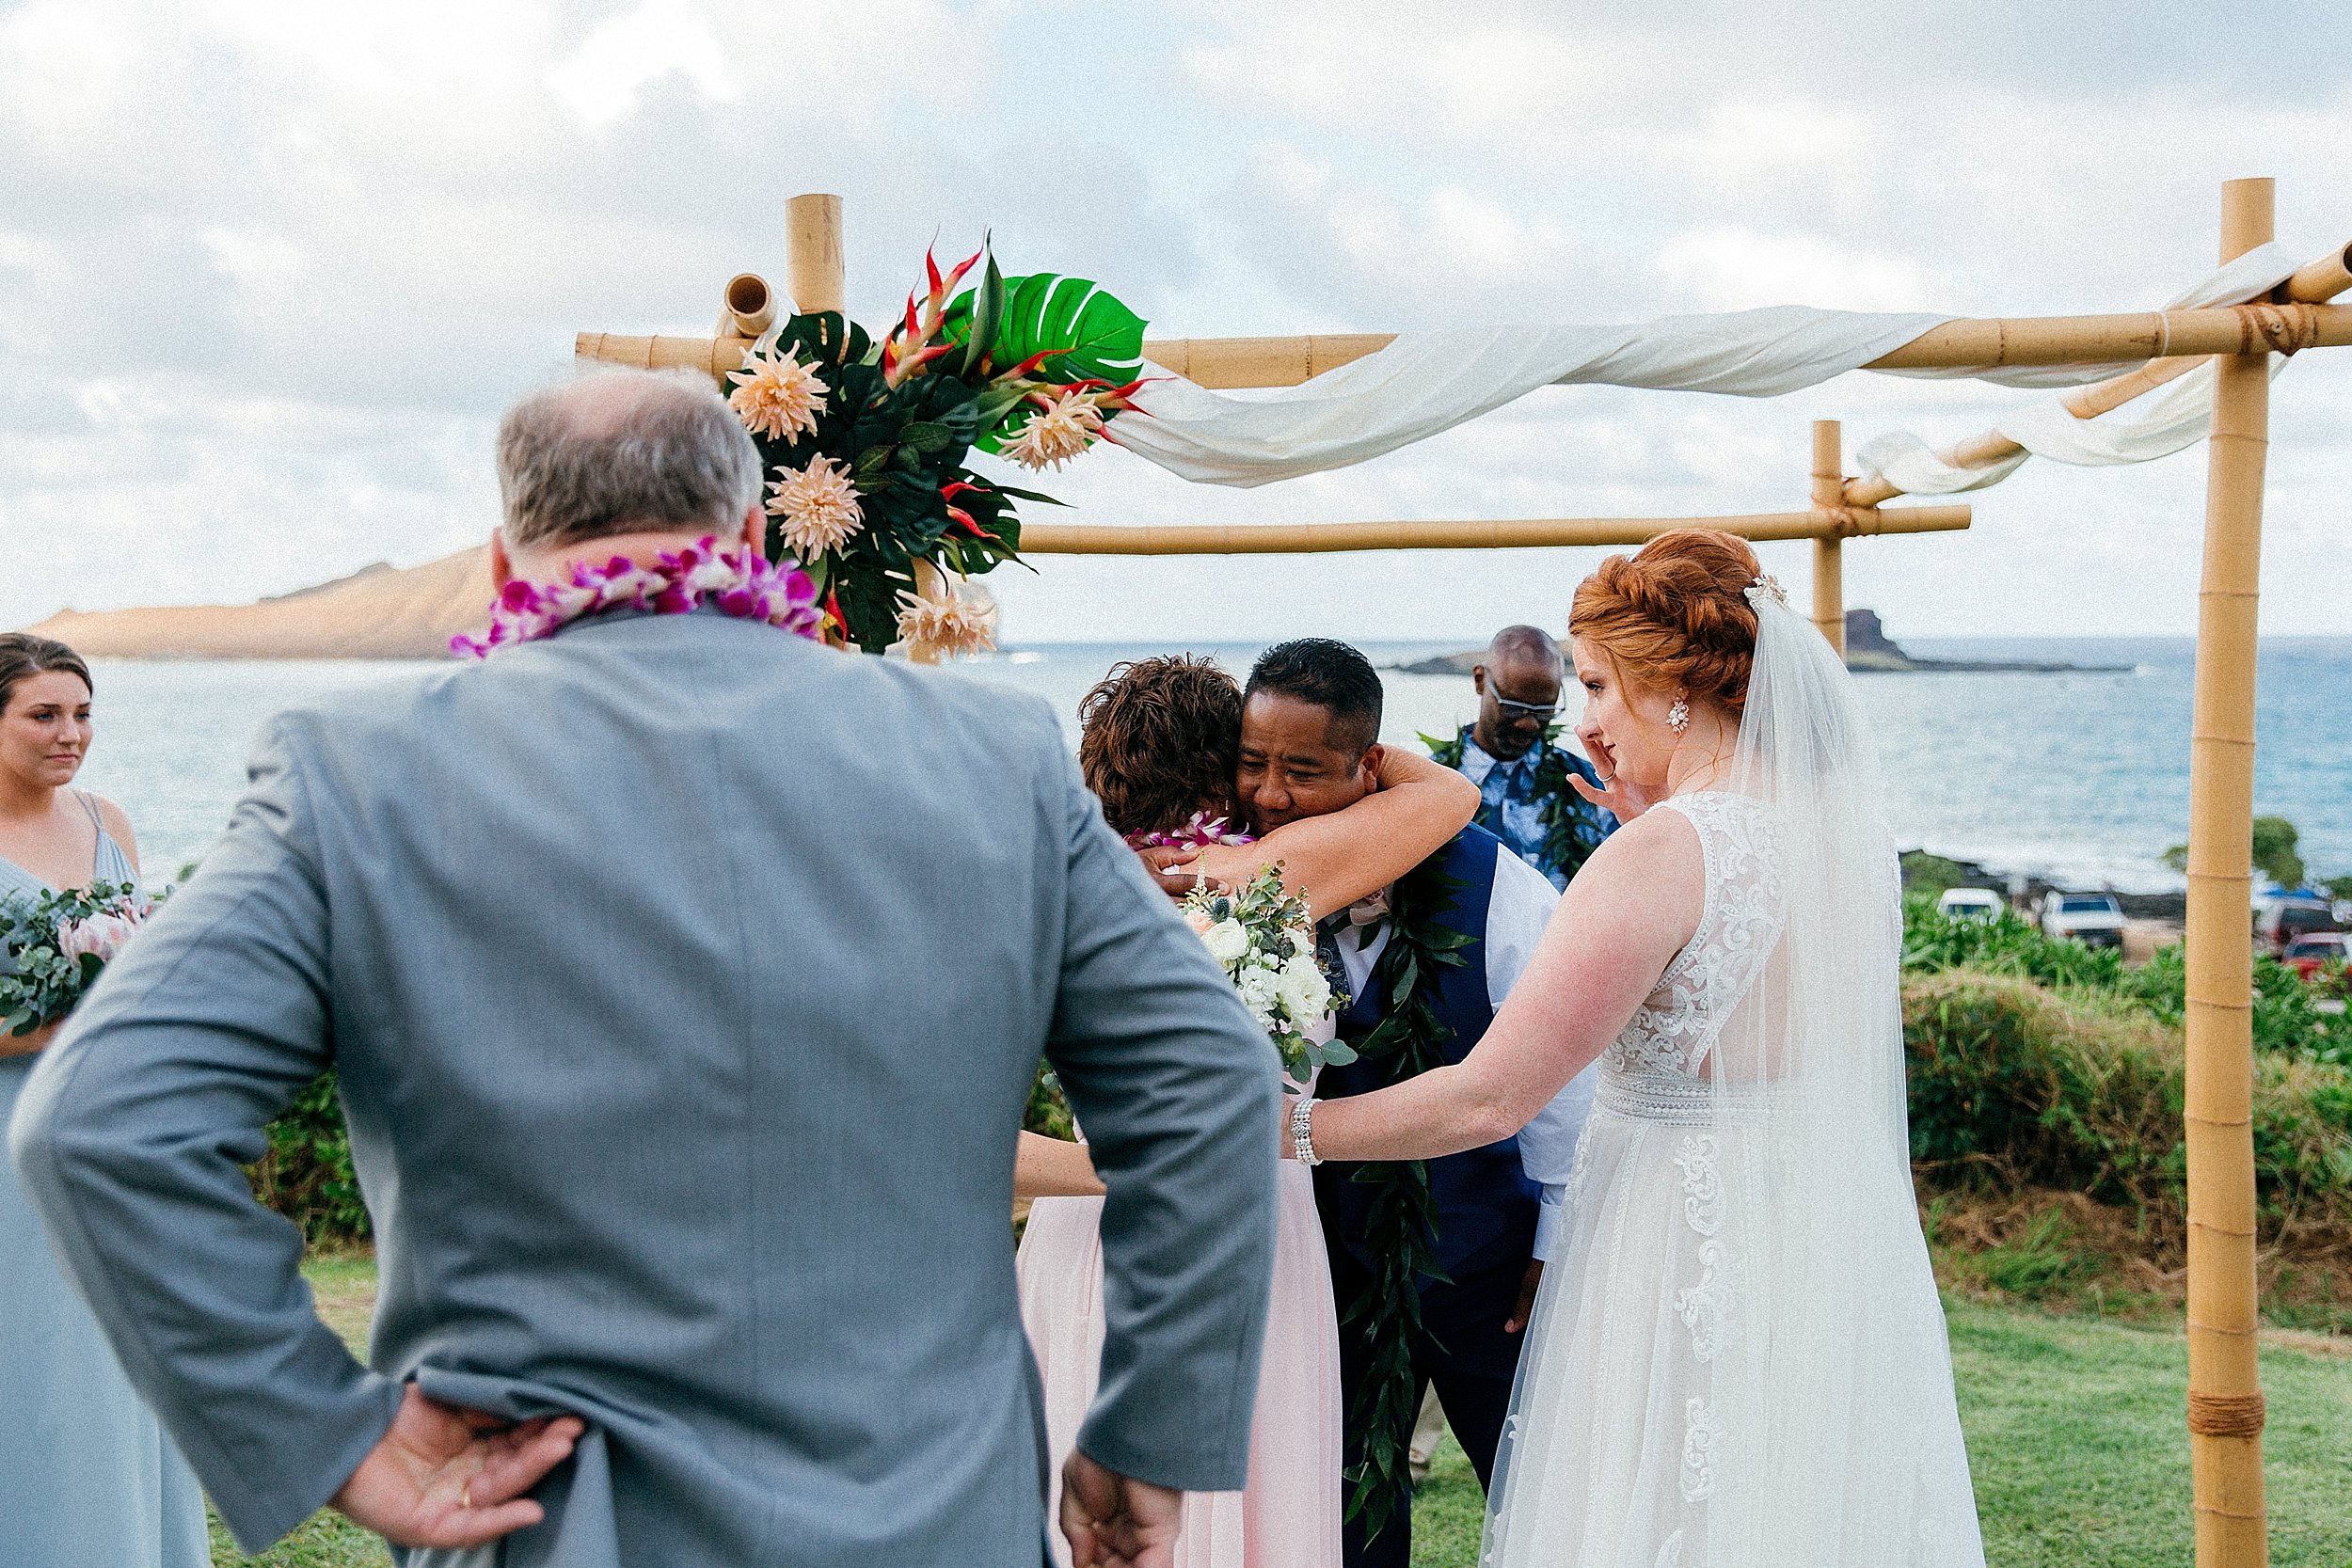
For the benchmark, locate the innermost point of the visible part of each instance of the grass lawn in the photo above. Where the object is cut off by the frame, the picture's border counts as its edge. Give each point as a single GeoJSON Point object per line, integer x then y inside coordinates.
{"type": "Point", "coordinates": [2074, 1434]}
{"type": "Point", "coordinates": [2077, 1442]}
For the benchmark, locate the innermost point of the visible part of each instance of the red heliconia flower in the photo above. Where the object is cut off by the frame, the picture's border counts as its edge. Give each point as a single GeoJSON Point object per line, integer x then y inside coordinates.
{"type": "Point", "coordinates": [957, 514]}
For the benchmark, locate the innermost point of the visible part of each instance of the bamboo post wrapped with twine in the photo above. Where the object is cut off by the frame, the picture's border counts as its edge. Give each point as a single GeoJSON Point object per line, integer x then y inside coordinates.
{"type": "Point", "coordinates": [2225, 1400]}
{"type": "Point", "coordinates": [1828, 547]}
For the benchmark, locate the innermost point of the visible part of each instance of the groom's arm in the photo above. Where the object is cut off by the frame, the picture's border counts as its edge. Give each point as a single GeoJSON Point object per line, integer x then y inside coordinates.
{"type": "Point", "coordinates": [132, 1134]}
{"type": "Point", "coordinates": [1176, 1088]}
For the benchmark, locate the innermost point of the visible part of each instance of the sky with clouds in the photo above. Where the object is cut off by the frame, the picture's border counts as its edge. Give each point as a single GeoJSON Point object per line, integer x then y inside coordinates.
{"type": "Point", "coordinates": [269, 270]}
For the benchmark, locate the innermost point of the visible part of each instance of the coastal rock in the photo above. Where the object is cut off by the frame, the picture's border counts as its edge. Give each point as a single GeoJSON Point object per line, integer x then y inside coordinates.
{"type": "Point", "coordinates": [1869, 650]}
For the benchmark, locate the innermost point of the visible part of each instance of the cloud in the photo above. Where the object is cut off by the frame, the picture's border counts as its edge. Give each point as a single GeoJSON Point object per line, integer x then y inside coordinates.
{"type": "Point", "coordinates": [270, 270]}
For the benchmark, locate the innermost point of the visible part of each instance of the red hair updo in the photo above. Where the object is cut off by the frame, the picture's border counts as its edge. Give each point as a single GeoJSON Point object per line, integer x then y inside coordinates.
{"type": "Point", "coordinates": [1675, 616]}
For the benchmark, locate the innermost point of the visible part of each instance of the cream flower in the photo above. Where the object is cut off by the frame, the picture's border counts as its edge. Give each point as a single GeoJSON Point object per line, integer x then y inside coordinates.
{"type": "Point", "coordinates": [778, 398]}
{"type": "Point", "coordinates": [959, 621]}
{"type": "Point", "coordinates": [818, 506]}
{"type": "Point", "coordinates": [1227, 940]}
{"type": "Point", "coordinates": [1062, 429]}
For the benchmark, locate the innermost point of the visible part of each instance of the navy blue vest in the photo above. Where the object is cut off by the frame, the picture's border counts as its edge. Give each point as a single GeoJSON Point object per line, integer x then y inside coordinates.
{"type": "Point", "coordinates": [1485, 1205]}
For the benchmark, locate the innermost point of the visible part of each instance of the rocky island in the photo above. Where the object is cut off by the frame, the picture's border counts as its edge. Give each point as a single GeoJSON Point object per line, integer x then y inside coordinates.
{"type": "Point", "coordinates": [1869, 651]}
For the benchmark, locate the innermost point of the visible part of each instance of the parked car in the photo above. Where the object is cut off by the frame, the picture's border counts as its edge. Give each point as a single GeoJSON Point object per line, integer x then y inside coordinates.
{"type": "Point", "coordinates": [2307, 956]}
{"type": "Point", "coordinates": [2094, 919]}
{"type": "Point", "coordinates": [2281, 922]}
{"type": "Point", "coordinates": [1970, 903]}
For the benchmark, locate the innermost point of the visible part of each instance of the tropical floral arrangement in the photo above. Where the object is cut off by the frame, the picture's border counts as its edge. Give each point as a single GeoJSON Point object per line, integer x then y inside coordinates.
{"type": "Point", "coordinates": [1266, 941]}
{"type": "Point", "coordinates": [57, 943]}
{"type": "Point", "coordinates": [865, 444]}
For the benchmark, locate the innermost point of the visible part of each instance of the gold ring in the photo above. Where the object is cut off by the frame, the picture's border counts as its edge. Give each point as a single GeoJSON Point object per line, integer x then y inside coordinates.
{"type": "Point", "coordinates": [465, 1494]}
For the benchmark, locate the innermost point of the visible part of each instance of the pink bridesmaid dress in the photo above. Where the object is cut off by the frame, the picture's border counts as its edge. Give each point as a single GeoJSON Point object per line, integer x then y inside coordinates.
{"type": "Point", "coordinates": [1289, 1514]}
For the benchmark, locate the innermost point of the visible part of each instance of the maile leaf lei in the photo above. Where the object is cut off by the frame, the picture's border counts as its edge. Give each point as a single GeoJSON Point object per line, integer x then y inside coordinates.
{"type": "Point", "coordinates": [1401, 1232]}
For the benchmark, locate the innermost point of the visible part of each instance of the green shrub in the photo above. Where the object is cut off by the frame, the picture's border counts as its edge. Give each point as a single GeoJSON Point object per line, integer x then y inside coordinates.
{"type": "Point", "coordinates": [2015, 1086]}
{"type": "Point", "coordinates": [2287, 1020]}
{"type": "Point", "coordinates": [307, 1174]}
{"type": "Point", "coordinates": [1048, 1112]}
{"type": "Point", "coordinates": [1924, 873]}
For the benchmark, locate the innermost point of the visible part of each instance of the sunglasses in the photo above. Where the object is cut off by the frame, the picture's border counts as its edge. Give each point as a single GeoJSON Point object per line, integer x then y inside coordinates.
{"type": "Point", "coordinates": [1526, 710]}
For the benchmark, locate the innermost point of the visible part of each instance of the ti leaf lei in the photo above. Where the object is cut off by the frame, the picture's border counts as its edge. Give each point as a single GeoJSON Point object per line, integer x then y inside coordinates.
{"type": "Point", "coordinates": [1401, 1232]}
{"type": "Point", "coordinates": [1564, 809]}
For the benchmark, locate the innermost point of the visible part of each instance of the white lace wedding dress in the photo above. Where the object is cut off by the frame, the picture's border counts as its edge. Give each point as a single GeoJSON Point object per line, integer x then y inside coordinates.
{"type": "Point", "coordinates": [1739, 1356]}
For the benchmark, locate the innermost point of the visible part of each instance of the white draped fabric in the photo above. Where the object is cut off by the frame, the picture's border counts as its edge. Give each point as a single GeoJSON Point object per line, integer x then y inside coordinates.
{"type": "Point", "coordinates": [1428, 382]}
{"type": "Point", "coordinates": [2156, 427]}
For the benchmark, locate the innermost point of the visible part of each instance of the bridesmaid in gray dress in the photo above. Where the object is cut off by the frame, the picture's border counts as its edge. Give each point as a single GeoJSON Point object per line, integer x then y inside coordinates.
{"type": "Point", "coordinates": [87, 1478]}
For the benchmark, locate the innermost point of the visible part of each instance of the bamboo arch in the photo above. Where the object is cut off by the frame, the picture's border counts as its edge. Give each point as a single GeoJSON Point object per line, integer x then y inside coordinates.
{"type": "Point", "coordinates": [2225, 1401]}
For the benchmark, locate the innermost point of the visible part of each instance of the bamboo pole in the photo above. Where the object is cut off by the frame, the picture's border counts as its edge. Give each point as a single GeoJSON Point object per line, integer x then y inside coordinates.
{"type": "Point", "coordinates": [747, 308]}
{"type": "Point", "coordinates": [1829, 502]}
{"type": "Point", "coordinates": [2315, 284]}
{"type": "Point", "coordinates": [812, 234]}
{"type": "Point", "coordinates": [1966, 344]}
{"type": "Point", "coordinates": [1971, 344]}
{"type": "Point", "coordinates": [1050, 538]}
{"type": "Point", "coordinates": [2225, 1401]}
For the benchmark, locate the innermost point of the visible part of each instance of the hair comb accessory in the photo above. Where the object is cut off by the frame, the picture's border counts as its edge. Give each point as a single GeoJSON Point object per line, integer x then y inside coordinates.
{"type": "Point", "coordinates": [1764, 587]}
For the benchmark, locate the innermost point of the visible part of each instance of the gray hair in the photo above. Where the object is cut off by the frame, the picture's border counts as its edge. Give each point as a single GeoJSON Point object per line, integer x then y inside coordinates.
{"type": "Point", "coordinates": [623, 452]}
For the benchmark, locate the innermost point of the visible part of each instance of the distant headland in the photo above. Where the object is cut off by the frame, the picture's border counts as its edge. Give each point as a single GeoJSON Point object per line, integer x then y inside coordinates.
{"type": "Point", "coordinates": [379, 611]}
{"type": "Point", "coordinates": [1869, 650]}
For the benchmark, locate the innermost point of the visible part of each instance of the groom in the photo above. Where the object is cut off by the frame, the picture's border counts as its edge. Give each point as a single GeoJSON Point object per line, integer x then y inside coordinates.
{"type": "Point", "coordinates": [683, 1032]}
{"type": "Point", "coordinates": [1311, 722]}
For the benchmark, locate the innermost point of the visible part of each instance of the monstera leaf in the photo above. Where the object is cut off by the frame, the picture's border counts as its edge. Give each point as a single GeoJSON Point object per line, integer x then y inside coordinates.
{"type": "Point", "coordinates": [1085, 330]}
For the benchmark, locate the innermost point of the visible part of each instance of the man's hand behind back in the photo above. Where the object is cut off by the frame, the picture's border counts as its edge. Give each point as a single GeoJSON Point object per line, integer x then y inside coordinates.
{"type": "Point", "coordinates": [1113, 1521]}
{"type": "Point", "coordinates": [446, 1477]}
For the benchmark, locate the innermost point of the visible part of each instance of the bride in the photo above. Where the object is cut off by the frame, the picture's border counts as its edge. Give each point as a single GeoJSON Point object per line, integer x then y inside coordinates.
{"type": "Point", "coordinates": [1741, 1358]}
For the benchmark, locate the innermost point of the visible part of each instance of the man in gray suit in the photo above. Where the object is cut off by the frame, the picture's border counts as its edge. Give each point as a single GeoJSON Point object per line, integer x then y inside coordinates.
{"type": "Point", "coordinates": [685, 979]}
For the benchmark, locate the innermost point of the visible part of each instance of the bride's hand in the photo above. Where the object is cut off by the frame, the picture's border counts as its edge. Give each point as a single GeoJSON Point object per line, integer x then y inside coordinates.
{"type": "Point", "coordinates": [1617, 795]}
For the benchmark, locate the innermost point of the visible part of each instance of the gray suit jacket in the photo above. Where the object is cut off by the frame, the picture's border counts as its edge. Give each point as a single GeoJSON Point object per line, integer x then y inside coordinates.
{"type": "Point", "coordinates": [685, 980]}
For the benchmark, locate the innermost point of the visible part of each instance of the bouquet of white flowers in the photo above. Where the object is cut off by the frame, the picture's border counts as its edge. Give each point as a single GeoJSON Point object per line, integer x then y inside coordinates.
{"type": "Point", "coordinates": [1266, 941]}
{"type": "Point", "coordinates": [55, 946]}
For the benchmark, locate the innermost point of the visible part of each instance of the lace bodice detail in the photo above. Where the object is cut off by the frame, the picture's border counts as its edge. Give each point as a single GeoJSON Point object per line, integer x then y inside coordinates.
{"type": "Point", "coordinates": [1678, 1025]}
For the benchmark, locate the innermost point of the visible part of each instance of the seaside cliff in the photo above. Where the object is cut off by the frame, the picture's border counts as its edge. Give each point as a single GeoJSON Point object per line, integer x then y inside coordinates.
{"type": "Point", "coordinates": [379, 611]}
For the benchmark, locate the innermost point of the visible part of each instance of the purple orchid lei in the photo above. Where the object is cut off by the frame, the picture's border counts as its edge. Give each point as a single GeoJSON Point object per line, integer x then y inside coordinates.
{"type": "Point", "coordinates": [735, 582]}
{"type": "Point", "coordinates": [1197, 833]}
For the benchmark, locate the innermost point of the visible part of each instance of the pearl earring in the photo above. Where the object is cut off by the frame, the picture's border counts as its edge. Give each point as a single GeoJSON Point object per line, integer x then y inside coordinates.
{"type": "Point", "coordinates": [1679, 716]}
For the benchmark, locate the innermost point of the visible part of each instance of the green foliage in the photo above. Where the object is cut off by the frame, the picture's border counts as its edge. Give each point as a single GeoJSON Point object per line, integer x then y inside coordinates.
{"type": "Point", "coordinates": [1931, 874]}
{"type": "Point", "coordinates": [1048, 1112]}
{"type": "Point", "coordinates": [40, 982]}
{"type": "Point", "coordinates": [307, 1174]}
{"type": "Point", "coordinates": [2273, 853]}
{"type": "Point", "coordinates": [903, 445]}
{"type": "Point", "coordinates": [1401, 1231]}
{"type": "Point", "coordinates": [1085, 331]}
{"type": "Point", "coordinates": [2017, 1085]}
{"type": "Point", "coordinates": [2287, 1016]}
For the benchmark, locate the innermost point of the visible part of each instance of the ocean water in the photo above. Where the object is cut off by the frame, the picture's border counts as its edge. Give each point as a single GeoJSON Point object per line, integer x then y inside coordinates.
{"type": "Point", "coordinates": [2081, 778]}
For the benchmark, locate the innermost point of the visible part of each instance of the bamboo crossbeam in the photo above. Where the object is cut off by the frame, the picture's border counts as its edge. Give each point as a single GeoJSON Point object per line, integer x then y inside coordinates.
{"type": "Point", "coordinates": [2225, 1406]}
{"type": "Point", "coordinates": [1970, 343]}
{"type": "Point", "coordinates": [1050, 538]}
{"type": "Point", "coordinates": [2315, 284]}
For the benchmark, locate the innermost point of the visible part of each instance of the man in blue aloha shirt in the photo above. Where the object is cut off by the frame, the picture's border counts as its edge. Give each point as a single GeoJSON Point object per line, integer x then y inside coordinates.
{"type": "Point", "coordinates": [1513, 755]}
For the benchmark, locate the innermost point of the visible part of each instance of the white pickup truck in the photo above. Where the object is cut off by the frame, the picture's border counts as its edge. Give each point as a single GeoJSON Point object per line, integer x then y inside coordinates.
{"type": "Point", "coordinates": [2094, 919]}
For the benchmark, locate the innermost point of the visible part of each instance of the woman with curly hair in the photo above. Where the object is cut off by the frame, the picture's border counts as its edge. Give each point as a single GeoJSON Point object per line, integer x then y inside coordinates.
{"type": "Point", "coordinates": [1160, 743]}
